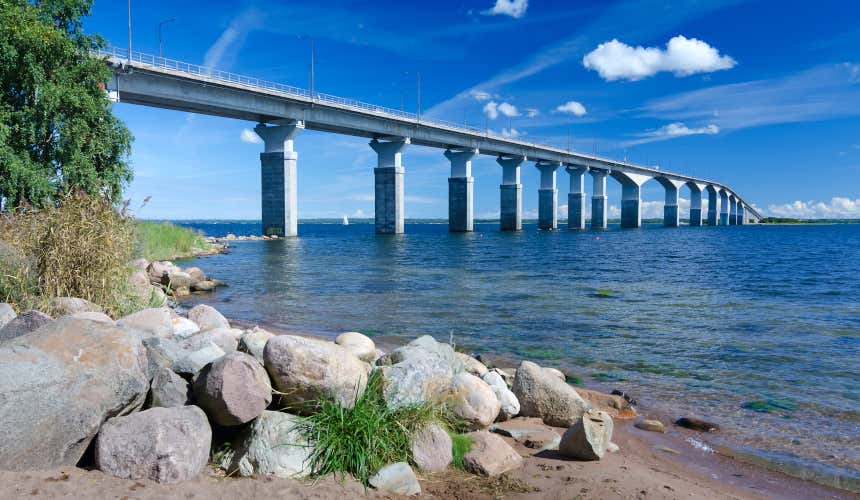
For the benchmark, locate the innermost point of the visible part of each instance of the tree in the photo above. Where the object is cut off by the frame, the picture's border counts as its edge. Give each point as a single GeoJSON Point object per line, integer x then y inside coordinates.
{"type": "Point", "coordinates": [56, 129]}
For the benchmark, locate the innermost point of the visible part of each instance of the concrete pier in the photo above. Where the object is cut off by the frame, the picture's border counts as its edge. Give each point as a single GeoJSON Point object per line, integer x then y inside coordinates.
{"type": "Point", "coordinates": [547, 195]}
{"type": "Point", "coordinates": [599, 211]}
{"type": "Point", "coordinates": [695, 204]}
{"type": "Point", "coordinates": [671, 215]}
{"type": "Point", "coordinates": [724, 207]}
{"type": "Point", "coordinates": [713, 206]}
{"type": "Point", "coordinates": [631, 202]}
{"type": "Point", "coordinates": [741, 214]}
{"type": "Point", "coordinates": [389, 200]}
{"type": "Point", "coordinates": [576, 197]}
{"type": "Point", "coordinates": [511, 194]}
{"type": "Point", "coordinates": [280, 213]}
{"type": "Point", "coordinates": [733, 210]}
{"type": "Point", "coordinates": [461, 186]}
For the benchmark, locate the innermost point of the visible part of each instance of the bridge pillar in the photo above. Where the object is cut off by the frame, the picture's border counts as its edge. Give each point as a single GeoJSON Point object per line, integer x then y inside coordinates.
{"type": "Point", "coordinates": [388, 193]}
{"type": "Point", "coordinates": [741, 214]}
{"type": "Point", "coordinates": [280, 214]}
{"type": "Point", "coordinates": [695, 204]}
{"type": "Point", "coordinates": [460, 190]}
{"type": "Point", "coordinates": [547, 195]}
{"type": "Point", "coordinates": [671, 215]}
{"type": "Point", "coordinates": [713, 206]}
{"type": "Point", "coordinates": [599, 212]}
{"type": "Point", "coordinates": [576, 197]}
{"type": "Point", "coordinates": [724, 207]}
{"type": "Point", "coordinates": [631, 202]}
{"type": "Point", "coordinates": [511, 191]}
{"type": "Point", "coordinates": [733, 210]}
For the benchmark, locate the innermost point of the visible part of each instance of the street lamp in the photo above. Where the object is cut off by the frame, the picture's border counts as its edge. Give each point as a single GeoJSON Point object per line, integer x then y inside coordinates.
{"type": "Point", "coordinates": [312, 60]}
{"type": "Point", "coordinates": [162, 23]}
{"type": "Point", "coordinates": [129, 31]}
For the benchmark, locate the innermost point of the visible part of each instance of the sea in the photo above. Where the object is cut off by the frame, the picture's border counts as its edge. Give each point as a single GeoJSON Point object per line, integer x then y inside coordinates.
{"type": "Point", "coordinates": [755, 327]}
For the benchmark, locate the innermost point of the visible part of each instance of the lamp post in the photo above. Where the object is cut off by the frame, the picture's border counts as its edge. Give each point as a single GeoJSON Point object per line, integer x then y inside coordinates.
{"type": "Point", "coordinates": [312, 61]}
{"type": "Point", "coordinates": [162, 23]}
{"type": "Point", "coordinates": [129, 31]}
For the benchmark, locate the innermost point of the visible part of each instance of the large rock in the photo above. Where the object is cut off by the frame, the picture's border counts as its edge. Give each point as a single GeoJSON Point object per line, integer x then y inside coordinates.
{"type": "Point", "coordinates": [306, 370]}
{"type": "Point", "coordinates": [183, 327]}
{"type": "Point", "coordinates": [193, 362]}
{"type": "Point", "coordinates": [509, 404]}
{"type": "Point", "coordinates": [612, 404]}
{"type": "Point", "coordinates": [64, 306]}
{"type": "Point", "coordinates": [421, 370]}
{"type": "Point", "coordinates": [254, 341]}
{"type": "Point", "coordinates": [7, 314]}
{"type": "Point", "coordinates": [225, 338]}
{"type": "Point", "coordinates": [542, 394]}
{"type": "Point", "coordinates": [23, 324]}
{"type": "Point", "coordinates": [176, 280]}
{"type": "Point", "coordinates": [93, 316]}
{"type": "Point", "coordinates": [154, 322]}
{"type": "Point", "coordinates": [157, 270]}
{"type": "Point", "coordinates": [432, 449]}
{"type": "Point", "coordinates": [589, 437]}
{"type": "Point", "coordinates": [233, 390]}
{"type": "Point", "coordinates": [140, 286]}
{"type": "Point", "coordinates": [166, 445]}
{"type": "Point", "coordinates": [473, 401]}
{"type": "Point", "coordinates": [168, 390]}
{"type": "Point", "coordinates": [397, 479]}
{"type": "Point", "coordinates": [196, 274]}
{"type": "Point", "coordinates": [469, 364]}
{"type": "Point", "coordinates": [162, 353]}
{"type": "Point", "coordinates": [490, 455]}
{"type": "Point", "coordinates": [59, 383]}
{"type": "Point", "coordinates": [271, 445]}
{"type": "Point", "coordinates": [207, 317]}
{"type": "Point", "coordinates": [358, 344]}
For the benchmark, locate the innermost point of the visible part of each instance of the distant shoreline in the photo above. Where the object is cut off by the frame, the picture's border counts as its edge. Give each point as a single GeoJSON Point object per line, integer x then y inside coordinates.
{"type": "Point", "coordinates": [561, 222]}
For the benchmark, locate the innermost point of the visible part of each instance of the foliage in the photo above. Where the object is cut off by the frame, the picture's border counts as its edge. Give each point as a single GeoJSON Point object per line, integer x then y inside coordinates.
{"type": "Point", "coordinates": [57, 133]}
{"type": "Point", "coordinates": [460, 445]}
{"type": "Point", "coordinates": [79, 248]}
{"type": "Point", "coordinates": [167, 241]}
{"type": "Point", "coordinates": [362, 439]}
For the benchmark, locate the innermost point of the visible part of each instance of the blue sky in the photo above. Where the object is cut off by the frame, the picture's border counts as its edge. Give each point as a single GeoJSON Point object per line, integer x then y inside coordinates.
{"type": "Point", "coordinates": [761, 95]}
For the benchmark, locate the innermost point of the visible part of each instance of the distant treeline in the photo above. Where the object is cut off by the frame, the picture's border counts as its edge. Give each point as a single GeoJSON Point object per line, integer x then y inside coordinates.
{"type": "Point", "coordinates": [789, 220]}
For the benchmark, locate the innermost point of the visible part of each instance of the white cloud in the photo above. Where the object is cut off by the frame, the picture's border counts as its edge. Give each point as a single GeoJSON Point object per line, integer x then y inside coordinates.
{"type": "Point", "coordinates": [532, 112]}
{"type": "Point", "coordinates": [493, 109]}
{"type": "Point", "coordinates": [480, 95]}
{"type": "Point", "coordinates": [572, 107]}
{"type": "Point", "coordinates": [512, 133]}
{"type": "Point", "coordinates": [837, 208]}
{"type": "Point", "coordinates": [250, 137]}
{"type": "Point", "coordinates": [672, 131]}
{"type": "Point", "coordinates": [683, 56]}
{"type": "Point", "coordinates": [513, 8]}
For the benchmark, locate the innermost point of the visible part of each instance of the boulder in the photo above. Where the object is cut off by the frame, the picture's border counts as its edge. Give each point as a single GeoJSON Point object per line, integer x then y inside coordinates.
{"type": "Point", "coordinates": [7, 314]}
{"type": "Point", "coordinates": [153, 322]}
{"type": "Point", "coordinates": [397, 479]}
{"type": "Point", "coordinates": [473, 401]}
{"type": "Point", "coordinates": [613, 404]}
{"type": "Point", "coordinates": [432, 449]}
{"type": "Point", "coordinates": [271, 445]}
{"type": "Point", "coordinates": [254, 341]}
{"type": "Point", "coordinates": [358, 344]}
{"type": "Point", "coordinates": [65, 306]}
{"type": "Point", "coordinates": [204, 286]}
{"type": "Point", "coordinates": [183, 327]}
{"type": "Point", "coordinates": [588, 438]}
{"type": "Point", "coordinates": [196, 274]}
{"type": "Point", "coordinates": [93, 316]}
{"type": "Point", "coordinates": [59, 384]}
{"type": "Point", "coordinates": [233, 390]}
{"type": "Point", "coordinates": [23, 324]}
{"type": "Point", "coordinates": [168, 390]}
{"type": "Point", "coordinates": [225, 338]}
{"type": "Point", "coordinates": [468, 364]}
{"type": "Point", "coordinates": [556, 372]}
{"type": "Point", "coordinates": [509, 404]}
{"type": "Point", "coordinates": [421, 370]}
{"type": "Point", "coordinates": [650, 425]}
{"type": "Point", "coordinates": [307, 369]}
{"type": "Point", "coordinates": [697, 424]}
{"type": "Point", "coordinates": [507, 374]}
{"type": "Point", "coordinates": [207, 317]}
{"type": "Point", "coordinates": [193, 362]}
{"type": "Point", "coordinates": [176, 280]}
{"type": "Point", "coordinates": [540, 440]}
{"type": "Point", "coordinates": [162, 353]}
{"type": "Point", "coordinates": [139, 264]}
{"type": "Point", "coordinates": [141, 287]}
{"type": "Point", "coordinates": [166, 445]}
{"type": "Point", "coordinates": [542, 394]}
{"type": "Point", "coordinates": [490, 455]}
{"type": "Point", "coordinates": [157, 270]}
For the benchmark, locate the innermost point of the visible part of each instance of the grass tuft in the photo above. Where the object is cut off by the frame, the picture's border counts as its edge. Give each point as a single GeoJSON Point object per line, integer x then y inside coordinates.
{"type": "Point", "coordinates": [460, 445]}
{"type": "Point", "coordinates": [167, 241]}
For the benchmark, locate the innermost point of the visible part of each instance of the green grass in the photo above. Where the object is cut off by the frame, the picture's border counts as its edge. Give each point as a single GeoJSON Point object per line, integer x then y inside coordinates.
{"type": "Point", "coordinates": [460, 445]}
{"type": "Point", "coordinates": [166, 241]}
{"type": "Point", "coordinates": [362, 439]}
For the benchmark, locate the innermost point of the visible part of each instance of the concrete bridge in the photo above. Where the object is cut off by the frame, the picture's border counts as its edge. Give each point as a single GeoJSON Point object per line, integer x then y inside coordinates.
{"type": "Point", "coordinates": [283, 112]}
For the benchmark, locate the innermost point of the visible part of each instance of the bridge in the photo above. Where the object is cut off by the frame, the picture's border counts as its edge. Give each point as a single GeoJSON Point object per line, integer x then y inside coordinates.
{"type": "Point", "coordinates": [283, 111]}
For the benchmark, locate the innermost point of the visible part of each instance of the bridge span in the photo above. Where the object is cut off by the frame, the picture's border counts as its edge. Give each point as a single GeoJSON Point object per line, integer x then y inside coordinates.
{"type": "Point", "coordinates": [283, 111]}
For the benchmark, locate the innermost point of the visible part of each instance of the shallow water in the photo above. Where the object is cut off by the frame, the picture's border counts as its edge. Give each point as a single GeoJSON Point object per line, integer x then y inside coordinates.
{"type": "Point", "coordinates": [712, 322]}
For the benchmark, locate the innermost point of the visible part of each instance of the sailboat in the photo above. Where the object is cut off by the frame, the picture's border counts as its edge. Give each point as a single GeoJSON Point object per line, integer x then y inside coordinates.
{"type": "Point", "coordinates": [345, 220]}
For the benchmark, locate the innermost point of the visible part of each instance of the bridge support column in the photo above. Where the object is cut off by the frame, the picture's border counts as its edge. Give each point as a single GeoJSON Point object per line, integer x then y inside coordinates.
{"type": "Point", "coordinates": [631, 202]}
{"type": "Point", "coordinates": [671, 215]}
{"type": "Point", "coordinates": [599, 212]}
{"type": "Point", "coordinates": [695, 205]}
{"type": "Point", "coordinates": [460, 191]}
{"type": "Point", "coordinates": [511, 191]}
{"type": "Point", "coordinates": [713, 206]}
{"type": "Point", "coordinates": [280, 214]}
{"type": "Point", "coordinates": [547, 196]}
{"type": "Point", "coordinates": [733, 210]}
{"type": "Point", "coordinates": [388, 193]}
{"type": "Point", "coordinates": [576, 197]}
{"type": "Point", "coordinates": [724, 208]}
{"type": "Point", "coordinates": [741, 214]}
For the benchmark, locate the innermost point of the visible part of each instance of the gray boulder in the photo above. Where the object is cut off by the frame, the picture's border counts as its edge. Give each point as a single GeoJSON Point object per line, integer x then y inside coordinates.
{"type": "Point", "coordinates": [490, 455]}
{"type": "Point", "coordinates": [360, 345]}
{"type": "Point", "coordinates": [7, 314]}
{"type": "Point", "coordinates": [207, 317]}
{"type": "Point", "coordinates": [166, 445]}
{"type": "Point", "coordinates": [204, 286]}
{"type": "Point", "coordinates": [176, 280]}
{"type": "Point", "coordinates": [271, 445]}
{"type": "Point", "coordinates": [589, 437]}
{"type": "Point", "coordinates": [154, 322]}
{"type": "Point", "coordinates": [419, 371]}
{"type": "Point", "coordinates": [225, 338]}
{"type": "Point", "coordinates": [397, 478]}
{"type": "Point", "coordinates": [306, 369]}
{"type": "Point", "coordinates": [162, 353]}
{"type": "Point", "coordinates": [254, 341]}
{"type": "Point", "coordinates": [509, 404]}
{"type": "Point", "coordinates": [140, 287]}
{"type": "Point", "coordinates": [196, 274]}
{"type": "Point", "coordinates": [168, 390]}
{"type": "Point", "coordinates": [139, 264]}
{"type": "Point", "coordinates": [432, 449]}
{"type": "Point", "coordinates": [93, 316]}
{"type": "Point", "coordinates": [23, 324]}
{"type": "Point", "coordinates": [473, 401]}
{"type": "Point", "coordinates": [157, 270]}
{"type": "Point", "coordinates": [183, 327]}
{"type": "Point", "coordinates": [233, 390]}
{"type": "Point", "coordinates": [468, 364]}
{"type": "Point", "coordinates": [193, 362]}
{"type": "Point", "coordinates": [64, 306]}
{"type": "Point", "coordinates": [542, 394]}
{"type": "Point", "coordinates": [59, 384]}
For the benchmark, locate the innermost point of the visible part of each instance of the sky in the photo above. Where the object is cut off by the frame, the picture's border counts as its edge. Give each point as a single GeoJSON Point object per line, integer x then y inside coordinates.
{"type": "Point", "coordinates": [763, 96]}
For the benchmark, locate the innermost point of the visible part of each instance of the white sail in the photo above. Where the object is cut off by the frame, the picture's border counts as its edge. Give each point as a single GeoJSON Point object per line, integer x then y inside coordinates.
{"type": "Point", "coordinates": [345, 221]}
